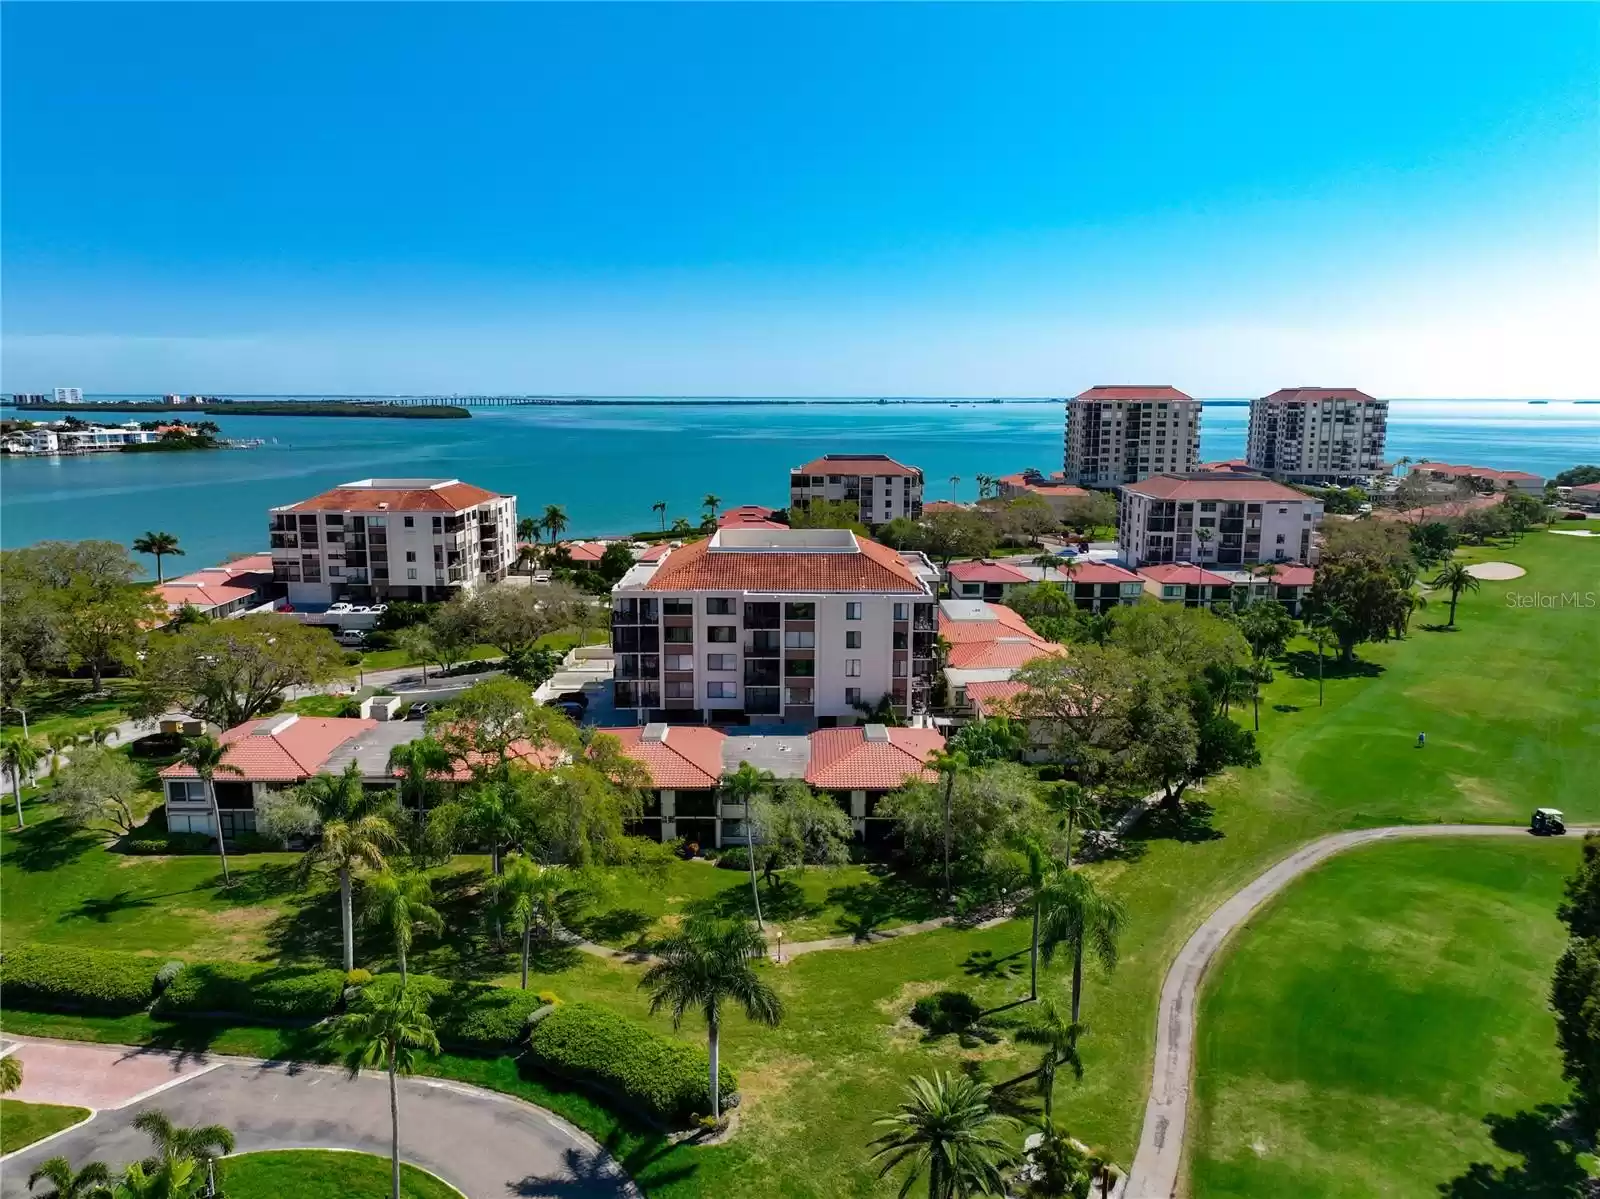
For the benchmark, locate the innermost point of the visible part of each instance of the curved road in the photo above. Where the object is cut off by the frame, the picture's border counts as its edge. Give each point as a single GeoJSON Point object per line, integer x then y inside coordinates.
{"type": "Point", "coordinates": [486, 1145]}
{"type": "Point", "coordinates": [1158, 1162]}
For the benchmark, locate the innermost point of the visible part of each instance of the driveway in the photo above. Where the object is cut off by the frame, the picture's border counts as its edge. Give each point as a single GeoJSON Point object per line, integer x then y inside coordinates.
{"type": "Point", "coordinates": [485, 1144]}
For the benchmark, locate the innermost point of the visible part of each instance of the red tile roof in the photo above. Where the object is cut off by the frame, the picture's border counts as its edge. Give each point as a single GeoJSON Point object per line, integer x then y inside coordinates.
{"type": "Point", "coordinates": [1449, 510]}
{"type": "Point", "coordinates": [585, 551]}
{"type": "Point", "coordinates": [1586, 488]}
{"type": "Point", "coordinates": [689, 759]}
{"type": "Point", "coordinates": [295, 751]}
{"type": "Point", "coordinates": [844, 760]}
{"type": "Point", "coordinates": [1093, 570]}
{"type": "Point", "coordinates": [1475, 472]}
{"type": "Point", "coordinates": [1005, 622]}
{"type": "Point", "coordinates": [1185, 573]}
{"type": "Point", "coordinates": [990, 698]}
{"type": "Point", "coordinates": [1009, 650]}
{"type": "Point", "coordinates": [933, 506]}
{"type": "Point", "coordinates": [986, 570]}
{"type": "Point", "coordinates": [1312, 395]}
{"type": "Point", "coordinates": [745, 512]}
{"type": "Point", "coordinates": [1294, 575]}
{"type": "Point", "coordinates": [656, 552]}
{"type": "Point", "coordinates": [451, 497]}
{"type": "Point", "coordinates": [539, 757]}
{"type": "Point", "coordinates": [749, 522]}
{"type": "Point", "coordinates": [1215, 487]}
{"type": "Point", "coordinates": [175, 593]}
{"type": "Point", "coordinates": [697, 567]}
{"type": "Point", "coordinates": [250, 563]}
{"type": "Point", "coordinates": [1121, 392]}
{"type": "Point", "coordinates": [856, 464]}
{"type": "Point", "coordinates": [1237, 466]}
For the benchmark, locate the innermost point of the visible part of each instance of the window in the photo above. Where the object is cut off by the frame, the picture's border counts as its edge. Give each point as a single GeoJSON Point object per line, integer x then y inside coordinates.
{"type": "Point", "coordinates": [680, 691]}
{"type": "Point", "coordinates": [681, 636]}
{"type": "Point", "coordinates": [852, 639]}
{"type": "Point", "coordinates": [852, 695]}
{"type": "Point", "coordinates": [802, 611]}
{"type": "Point", "coordinates": [797, 695]}
{"type": "Point", "coordinates": [438, 524]}
{"type": "Point", "coordinates": [902, 611]}
{"type": "Point", "coordinates": [802, 639]}
{"type": "Point", "coordinates": [721, 691]}
{"type": "Point", "coordinates": [852, 610]}
{"type": "Point", "coordinates": [411, 555]}
{"type": "Point", "coordinates": [719, 606]}
{"type": "Point", "coordinates": [722, 634]}
{"type": "Point", "coordinates": [852, 668]}
{"type": "Point", "coordinates": [187, 791]}
{"type": "Point", "coordinates": [899, 668]}
{"type": "Point", "coordinates": [800, 668]}
{"type": "Point", "coordinates": [722, 662]}
{"type": "Point", "coordinates": [680, 661]}
{"type": "Point", "coordinates": [900, 641]}
{"type": "Point", "coordinates": [677, 607]}
{"type": "Point", "coordinates": [408, 522]}
{"type": "Point", "coordinates": [411, 572]}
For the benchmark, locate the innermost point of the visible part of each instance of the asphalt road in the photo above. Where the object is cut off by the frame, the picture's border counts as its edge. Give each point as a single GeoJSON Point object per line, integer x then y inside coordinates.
{"type": "Point", "coordinates": [484, 1144]}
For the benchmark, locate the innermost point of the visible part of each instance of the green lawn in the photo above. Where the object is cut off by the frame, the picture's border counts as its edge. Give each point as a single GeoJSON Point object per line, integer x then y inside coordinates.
{"type": "Point", "coordinates": [1369, 1026]}
{"type": "Point", "coordinates": [1510, 708]}
{"type": "Point", "coordinates": [324, 1174]}
{"type": "Point", "coordinates": [69, 706]}
{"type": "Point", "coordinates": [21, 1124]}
{"type": "Point", "coordinates": [389, 659]}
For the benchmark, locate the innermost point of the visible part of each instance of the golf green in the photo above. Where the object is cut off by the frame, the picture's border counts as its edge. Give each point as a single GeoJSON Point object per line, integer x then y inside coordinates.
{"type": "Point", "coordinates": [1359, 1033]}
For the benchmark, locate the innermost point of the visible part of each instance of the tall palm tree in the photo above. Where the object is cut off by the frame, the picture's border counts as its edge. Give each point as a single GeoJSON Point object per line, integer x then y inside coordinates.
{"type": "Point", "coordinates": [1041, 868]}
{"type": "Point", "coordinates": [174, 1178]}
{"type": "Point", "coordinates": [1205, 537]}
{"type": "Point", "coordinates": [1457, 578]}
{"type": "Point", "coordinates": [528, 529]}
{"type": "Point", "coordinates": [660, 509]}
{"type": "Point", "coordinates": [355, 837]}
{"type": "Point", "coordinates": [711, 503]}
{"type": "Point", "coordinates": [1045, 562]}
{"type": "Point", "coordinates": [1078, 810]}
{"type": "Point", "coordinates": [20, 755]}
{"type": "Point", "coordinates": [389, 1034]}
{"type": "Point", "coordinates": [419, 764]}
{"type": "Point", "coordinates": [204, 754]}
{"type": "Point", "coordinates": [401, 903]}
{"type": "Point", "coordinates": [91, 1182]}
{"type": "Point", "coordinates": [948, 764]}
{"type": "Point", "coordinates": [946, 1128]}
{"type": "Point", "coordinates": [1059, 1038]}
{"type": "Point", "coordinates": [202, 1145]}
{"type": "Point", "coordinates": [555, 521]}
{"type": "Point", "coordinates": [1066, 567]}
{"type": "Point", "coordinates": [743, 786]}
{"type": "Point", "coordinates": [159, 545]}
{"type": "Point", "coordinates": [711, 963]}
{"type": "Point", "coordinates": [955, 486]}
{"type": "Point", "coordinates": [1077, 914]}
{"type": "Point", "coordinates": [1321, 637]}
{"type": "Point", "coordinates": [57, 742]}
{"type": "Point", "coordinates": [534, 893]}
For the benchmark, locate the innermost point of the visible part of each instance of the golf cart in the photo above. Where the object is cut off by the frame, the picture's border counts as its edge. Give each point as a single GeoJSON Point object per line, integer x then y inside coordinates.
{"type": "Point", "coordinates": [1547, 822]}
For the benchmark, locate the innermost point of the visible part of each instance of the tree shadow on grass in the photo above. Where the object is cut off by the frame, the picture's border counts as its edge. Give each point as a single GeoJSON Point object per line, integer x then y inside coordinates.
{"type": "Point", "coordinates": [102, 908]}
{"type": "Point", "coordinates": [985, 964]}
{"type": "Point", "coordinates": [615, 926]}
{"type": "Point", "coordinates": [308, 929]}
{"type": "Point", "coordinates": [257, 884]}
{"type": "Point", "coordinates": [889, 896]}
{"type": "Point", "coordinates": [47, 844]}
{"type": "Point", "coordinates": [1546, 1142]}
{"type": "Point", "coordinates": [1441, 628]}
{"type": "Point", "coordinates": [782, 899]}
{"type": "Point", "coordinates": [1304, 663]}
{"type": "Point", "coordinates": [1190, 821]}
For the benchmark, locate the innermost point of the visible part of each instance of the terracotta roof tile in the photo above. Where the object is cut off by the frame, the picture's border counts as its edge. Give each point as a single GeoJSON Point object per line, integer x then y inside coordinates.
{"type": "Point", "coordinates": [452, 497]}
{"type": "Point", "coordinates": [690, 758]}
{"type": "Point", "coordinates": [1294, 575]}
{"type": "Point", "coordinates": [1215, 486]}
{"type": "Point", "coordinates": [1094, 570]}
{"type": "Point", "coordinates": [296, 751]}
{"type": "Point", "coordinates": [989, 698]}
{"type": "Point", "coordinates": [1120, 392]}
{"type": "Point", "coordinates": [1005, 622]}
{"type": "Point", "coordinates": [697, 567]}
{"type": "Point", "coordinates": [986, 570]}
{"type": "Point", "coordinates": [844, 760]}
{"type": "Point", "coordinates": [1186, 573]}
{"type": "Point", "coordinates": [1002, 652]}
{"type": "Point", "coordinates": [856, 464]}
{"type": "Point", "coordinates": [1312, 395]}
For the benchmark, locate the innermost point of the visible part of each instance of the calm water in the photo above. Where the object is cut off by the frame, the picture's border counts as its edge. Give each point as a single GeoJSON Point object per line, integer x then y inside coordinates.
{"type": "Point", "coordinates": [607, 466]}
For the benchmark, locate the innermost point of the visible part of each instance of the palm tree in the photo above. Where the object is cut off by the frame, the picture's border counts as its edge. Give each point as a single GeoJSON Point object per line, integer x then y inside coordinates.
{"type": "Point", "coordinates": [955, 484]}
{"type": "Point", "coordinates": [354, 837]}
{"type": "Point", "coordinates": [1458, 579]}
{"type": "Point", "coordinates": [1059, 1038]}
{"type": "Point", "coordinates": [712, 962]}
{"type": "Point", "coordinates": [57, 742]}
{"type": "Point", "coordinates": [10, 1073]}
{"type": "Point", "coordinates": [660, 509]}
{"type": "Point", "coordinates": [174, 1178]}
{"type": "Point", "coordinates": [947, 1129]}
{"type": "Point", "coordinates": [1322, 637]}
{"type": "Point", "coordinates": [555, 521]}
{"type": "Point", "coordinates": [1066, 567]}
{"type": "Point", "coordinates": [742, 787]}
{"type": "Point", "coordinates": [201, 1145]}
{"type": "Point", "coordinates": [1077, 914]}
{"type": "Point", "coordinates": [159, 545]}
{"type": "Point", "coordinates": [20, 755]}
{"type": "Point", "coordinates": [419, 763]}
{"type": "Point", "coordinates": [1044, 562]}
{"type": "Point", "coordinates": [947, 764]}
{"type": "Point", "coordinates": [711, 503]}
{"type": "Point", "coordinates": [535, 893]}
{"type": "Point", "coordinates": [389, 1034]}
{"type": "Point", "coordinates": [401, 903]}
{"type": "Point", "coordinates": [1041, 868]}
{"type": "Point", "coordinates": [528, 529]}
{"type": "Point", "coordinates": [1077, 808]}
{"type": "Point", "coordinates": [681, 526]}
{"type": "Point", "coordinates": [203, 754]}
{"type": "Point", "coordinates": [1205, 537]}
{"type": "Point", "coordinates": [91, 1182]}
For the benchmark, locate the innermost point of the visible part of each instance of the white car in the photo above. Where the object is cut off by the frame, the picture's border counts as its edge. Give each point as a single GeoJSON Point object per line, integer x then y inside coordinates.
{"type": "Point", "coordinates": [340, 608]}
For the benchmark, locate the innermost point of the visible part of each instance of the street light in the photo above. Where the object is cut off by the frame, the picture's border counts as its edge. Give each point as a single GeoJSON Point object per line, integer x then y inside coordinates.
{"type": "Point", "coordinates": [22, 712]}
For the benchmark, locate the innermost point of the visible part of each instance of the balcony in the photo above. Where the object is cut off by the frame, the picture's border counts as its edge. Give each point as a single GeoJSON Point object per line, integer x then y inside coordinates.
{"type": "Point", "coordinates": [285, 541]}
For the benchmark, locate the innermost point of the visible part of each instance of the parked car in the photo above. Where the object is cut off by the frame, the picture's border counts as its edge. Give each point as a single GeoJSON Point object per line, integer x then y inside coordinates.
{"type": "Point", "coordinates": [341, 607]}
{"type": "Point", "coordinates": [419, 711]}
{"type": "Point", "coordinates": [351, 638]}
{"type": "Point", "coordinates": [574, 697]}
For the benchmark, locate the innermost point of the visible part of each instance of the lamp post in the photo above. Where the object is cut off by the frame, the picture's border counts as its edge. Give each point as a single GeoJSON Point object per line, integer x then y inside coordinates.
{"type": "Point", "coordinates": [21, 712]}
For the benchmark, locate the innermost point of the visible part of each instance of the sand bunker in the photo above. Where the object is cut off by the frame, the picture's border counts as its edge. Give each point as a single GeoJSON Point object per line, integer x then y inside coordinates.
{"type": "Point", "coordinates": [1495, 570]}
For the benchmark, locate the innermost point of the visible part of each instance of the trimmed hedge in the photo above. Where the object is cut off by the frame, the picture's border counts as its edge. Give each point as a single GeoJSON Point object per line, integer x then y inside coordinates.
{"type": "Point", "coordinates": [477, 1017]}
{"type": "Point", "coordinates": [59, 977]}
{"type": "Point", "coordinates": [595, 1046]}
{"type": "Point", "coordinates": [271, 992]}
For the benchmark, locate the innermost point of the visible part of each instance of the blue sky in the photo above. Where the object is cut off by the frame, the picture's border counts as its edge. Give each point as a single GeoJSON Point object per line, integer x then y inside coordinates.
{"type": "Point", "coordinates": [828, 199]}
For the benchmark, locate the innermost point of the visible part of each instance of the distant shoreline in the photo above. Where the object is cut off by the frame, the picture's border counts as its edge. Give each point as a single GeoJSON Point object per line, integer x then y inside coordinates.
{"type": "Point", "coordinates": [258, 408]}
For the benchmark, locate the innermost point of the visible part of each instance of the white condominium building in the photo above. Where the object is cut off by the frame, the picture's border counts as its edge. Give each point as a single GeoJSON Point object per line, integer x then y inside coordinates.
{"type": "Point", "coordinates": [1318, 435]}
{"type": "Point", "coordinates": [382, 539]}
{"type": "Point", "coordinates": [1216, 519]}
{"type": "Point", "coordinates": [882, 487]}
{"type": "Point", "coordinates": [1118, 435]}
{"type": "Point", "coordinates": [761, 626]}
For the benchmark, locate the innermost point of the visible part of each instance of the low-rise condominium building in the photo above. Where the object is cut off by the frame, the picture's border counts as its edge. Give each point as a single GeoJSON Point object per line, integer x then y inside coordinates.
{"type": "Point", "coordinates": [1119, 434]}
{"type": "Point", "coordinates": [1216, 519]}
{"type": "Point", "coordinates": [774, 625]}
{"type": "Point", "coordinates": [382, 539]}
{"type": "Point", "coordinates": [1318, 435]}
{"type": "Point", "coordinates": [1483, 478]}
{"type": "Point", "coordinates": [883, 488]}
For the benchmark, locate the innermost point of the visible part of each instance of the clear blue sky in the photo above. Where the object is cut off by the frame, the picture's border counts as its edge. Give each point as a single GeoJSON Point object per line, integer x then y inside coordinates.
{"type": "Point", "coordinates": [831, 199]}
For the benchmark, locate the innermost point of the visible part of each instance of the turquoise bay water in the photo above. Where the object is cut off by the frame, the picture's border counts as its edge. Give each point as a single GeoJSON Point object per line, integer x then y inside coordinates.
{"type": "Point", "coordinates": [608, 465]}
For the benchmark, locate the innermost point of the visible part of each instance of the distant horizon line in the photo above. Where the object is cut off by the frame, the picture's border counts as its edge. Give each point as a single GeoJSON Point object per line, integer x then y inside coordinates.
{"type": "Point", "coordinates": [6, 393]}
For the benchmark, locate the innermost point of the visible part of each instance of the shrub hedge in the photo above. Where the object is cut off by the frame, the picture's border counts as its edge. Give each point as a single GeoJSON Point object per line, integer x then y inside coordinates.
{"type": "Point", "coordinates": [595, 1046]}
{"type": "Point", "coordinates": [63, 977]}
{"type": "Point", "coordinates": [272, 992]}
{"type": "Point", "coordinates": [477, 1017]}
